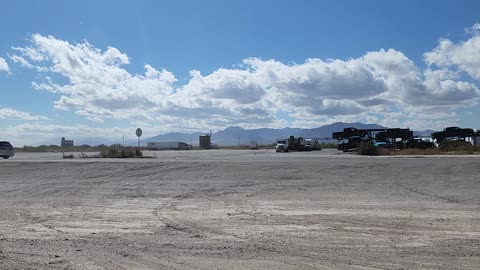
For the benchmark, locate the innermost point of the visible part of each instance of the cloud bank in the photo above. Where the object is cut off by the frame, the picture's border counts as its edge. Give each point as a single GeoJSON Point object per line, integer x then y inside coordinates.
{"type": "Point", "coordinates": [383, 86]}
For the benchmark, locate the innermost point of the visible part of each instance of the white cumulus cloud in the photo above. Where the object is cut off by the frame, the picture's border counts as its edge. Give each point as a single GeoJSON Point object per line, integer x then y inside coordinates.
{"type": "Point", "coordinates": [378, 86]}
{"type": "Point", "coordinates": [464, 55]}
{"type": "Point", "coordinates": [4, 65]}
{"type": "Point", "coordinates": [11, 114]}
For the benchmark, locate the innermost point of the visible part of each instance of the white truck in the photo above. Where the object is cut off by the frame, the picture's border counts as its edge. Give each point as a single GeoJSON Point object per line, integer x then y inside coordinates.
{"type": "Point", "coordinates": [167, 146]}
{"type": "Point", "coordinates": [282, 146]}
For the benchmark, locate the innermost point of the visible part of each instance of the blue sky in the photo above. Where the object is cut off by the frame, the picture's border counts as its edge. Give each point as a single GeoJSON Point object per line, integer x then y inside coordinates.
{"type": "Point", "coordinates": [212, 64]}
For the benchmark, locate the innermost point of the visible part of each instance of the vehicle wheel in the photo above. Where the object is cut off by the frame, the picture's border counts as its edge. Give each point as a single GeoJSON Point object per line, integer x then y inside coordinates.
{"type": "Point", "coordinates": [5, 157]}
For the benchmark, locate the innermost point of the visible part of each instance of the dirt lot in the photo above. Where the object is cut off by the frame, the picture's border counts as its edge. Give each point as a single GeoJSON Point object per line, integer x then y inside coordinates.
{"type": "Point", "coordinates": [240, 210]}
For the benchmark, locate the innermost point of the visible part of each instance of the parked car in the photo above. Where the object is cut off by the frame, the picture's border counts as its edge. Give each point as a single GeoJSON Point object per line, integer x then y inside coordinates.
{"type": "Point", "coordinates": [6, 150]}
{"type": "Point", "coordinates": [350, 144]}
{"type": "Point", "coordinates": [382, 144]}
{"type": "Point", "coordinates": [416, 143]}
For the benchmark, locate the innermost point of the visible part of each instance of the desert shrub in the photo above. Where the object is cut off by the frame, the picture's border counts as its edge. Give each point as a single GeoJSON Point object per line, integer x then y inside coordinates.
{"type": "Point", "coordinates": [450, 146]}
{"type": "Point", "coordinates": [110, 152]}
{"type": "Point", "coordinates": [104, 153]}
{"type": "Point", "coordinates": [328, 145]}
{"type": "Point", "coordinates": [414, 151]}
{"type": "Point", "coordinates": [445, 148]}
{"type": "Point", "coordinates": [367, 149]}
{"type": "Point", "coordinates": [113, 152]}
{"type": "Point", "coordinates": [128, 153]}
{"type": "Point", "coordinates": [68, 156]}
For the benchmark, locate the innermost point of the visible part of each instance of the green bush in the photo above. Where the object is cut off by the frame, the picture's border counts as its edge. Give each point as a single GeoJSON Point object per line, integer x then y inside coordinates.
{"type": "Point", "coordinates": [367, 149]}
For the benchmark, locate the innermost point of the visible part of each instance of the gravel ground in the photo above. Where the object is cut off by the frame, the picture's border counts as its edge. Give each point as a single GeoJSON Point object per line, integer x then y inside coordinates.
{"type": "Point", "coordinates": [228, 209]}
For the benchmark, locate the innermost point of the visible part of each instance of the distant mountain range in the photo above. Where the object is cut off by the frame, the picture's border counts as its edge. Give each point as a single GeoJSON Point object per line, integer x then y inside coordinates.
{"type": "Point", "coordinates": [425, 133]}
{"type": "Point", "coordinates": [176, 137]}
{"type": "Point", "coordinates": [79, 141]}
{"type": "Point", "coordinates": [232, 135]}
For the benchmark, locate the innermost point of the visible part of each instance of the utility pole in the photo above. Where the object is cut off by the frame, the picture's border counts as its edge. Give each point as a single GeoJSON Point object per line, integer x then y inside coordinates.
{"type": "Point", "coordinates": [238, 142]}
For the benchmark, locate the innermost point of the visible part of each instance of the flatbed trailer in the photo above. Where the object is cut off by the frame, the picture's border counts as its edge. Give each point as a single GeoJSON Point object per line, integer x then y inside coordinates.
{"type": "Point", "coordinates": [353, 137]}
{"type": "Point", "coordinates": [454, 133]}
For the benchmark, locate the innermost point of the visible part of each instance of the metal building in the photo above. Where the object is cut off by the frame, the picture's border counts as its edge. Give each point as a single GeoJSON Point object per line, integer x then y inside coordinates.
{"type": "Point", "coordinates": [66, 142]}
{"type": "Point", "coordinates": [205, 141]}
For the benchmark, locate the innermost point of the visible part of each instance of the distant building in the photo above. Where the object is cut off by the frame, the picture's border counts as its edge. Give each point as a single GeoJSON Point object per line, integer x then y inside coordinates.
{"type": "Point", "coordinates": [167, 146]}
{"type": "Point", "coordinates": [205, 141]}
{"type": "Point", "coordinates": [66, 142]}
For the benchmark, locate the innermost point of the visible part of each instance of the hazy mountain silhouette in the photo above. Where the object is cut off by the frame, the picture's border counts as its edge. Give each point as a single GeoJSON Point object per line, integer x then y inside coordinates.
{"type": "Point", "coordinates": [175, 137]}
{"type": "Point", "coordinates": [426, 133]}
{"type": "Point", "coordinates": [79, 141]}
{"type": "Point", "coordinates": [231, 135]}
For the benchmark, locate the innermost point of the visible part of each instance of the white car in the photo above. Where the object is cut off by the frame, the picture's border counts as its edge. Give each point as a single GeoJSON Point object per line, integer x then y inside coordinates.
{"type": "Point", "coordinates": [6, 150]}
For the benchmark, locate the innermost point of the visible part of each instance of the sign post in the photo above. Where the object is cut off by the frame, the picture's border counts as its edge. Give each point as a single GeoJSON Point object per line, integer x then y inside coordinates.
{"type": "Point", "coordinates": [139, 133]}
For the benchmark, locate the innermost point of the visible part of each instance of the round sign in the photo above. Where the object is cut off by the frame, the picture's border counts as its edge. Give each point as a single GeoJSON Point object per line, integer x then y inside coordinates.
{"type": "Point", "coordinates": [139, 132]}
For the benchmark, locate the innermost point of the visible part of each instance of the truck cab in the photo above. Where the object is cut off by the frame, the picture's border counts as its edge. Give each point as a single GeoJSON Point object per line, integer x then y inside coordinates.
{"type": "Point", "coordinates": [282, 146]}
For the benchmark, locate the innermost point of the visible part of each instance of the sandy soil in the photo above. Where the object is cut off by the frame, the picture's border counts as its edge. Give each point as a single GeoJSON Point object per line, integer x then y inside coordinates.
{"type": "Point", "coordinates": [240, 210]}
